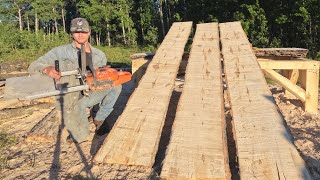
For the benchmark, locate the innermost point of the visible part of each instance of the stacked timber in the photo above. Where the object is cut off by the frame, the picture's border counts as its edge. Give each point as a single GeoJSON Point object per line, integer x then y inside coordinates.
{"type": "Point", "coordinates": [264, 147]}
{"type": "Point", "coordinates": [135, 137]}
{"type": "Point", "coordinates": [280, 52]}
{"type": "Point", "coordinates": [197, 148]}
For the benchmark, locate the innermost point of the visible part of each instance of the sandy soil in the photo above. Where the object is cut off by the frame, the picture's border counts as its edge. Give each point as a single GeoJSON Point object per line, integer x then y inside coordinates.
{"type": "Point", "coordinates": [40, 153]}
{"type": "Point", "coordinates": [304, 127]}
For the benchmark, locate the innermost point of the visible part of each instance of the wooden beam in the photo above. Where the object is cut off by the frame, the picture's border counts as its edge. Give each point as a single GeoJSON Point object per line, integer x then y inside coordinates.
{"type": "Point", "coordinates": [197, 148]}
{"type": "Point", "coordinates": [293, 76]}
{"type": "Point", "coordinates": [312, 90]}
{"type": "Point", "coordinates": [135, 137]}
{"type": "Point", "coordinates": [286, 83]}
{"type": "Point", "coordinates": [264, 147]}
{"type": "Point", "coordinates": [288, 64]}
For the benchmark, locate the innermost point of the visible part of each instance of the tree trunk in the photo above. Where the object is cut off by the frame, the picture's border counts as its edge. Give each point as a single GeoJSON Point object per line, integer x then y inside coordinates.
{"type": "Point", "coordinates": [20, 19]}
{"type": "Point", "coordinates": [63, 20]}
{"type": "Point", "coordinates": [184, 9]}
{"type": "Point", "coordinates": [36, 23]}
{"type": "Point", "coordinates": [98, 39]}
{"type": "Point", "coordinates": [55, 21]}
{"type": "Point", "coordinates": [48, 30]}
{"type": "Point", "coordinates": [161, 19]}
{"type": "Point", "coordinates": [130, 41]}
{"type": "Point", "coordinates": [28, 23]}
{"type": "Point", "coordinates": [142, 34]}
{"type": "Point", "coordinates": [108, 35]}
{"type": "Point", "coordinates": [167, 14]}
{"type": "Point", "coordinates": [123, 32]}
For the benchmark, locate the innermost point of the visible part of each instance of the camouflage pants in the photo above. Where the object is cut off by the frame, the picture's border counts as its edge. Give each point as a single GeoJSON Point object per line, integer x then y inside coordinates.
{"type": "Point", "coordinates": [75, 117]}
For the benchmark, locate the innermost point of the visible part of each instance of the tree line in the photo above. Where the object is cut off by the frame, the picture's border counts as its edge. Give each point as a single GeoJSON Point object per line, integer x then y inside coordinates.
{"type": "Point", "coordinates": [268, 23]}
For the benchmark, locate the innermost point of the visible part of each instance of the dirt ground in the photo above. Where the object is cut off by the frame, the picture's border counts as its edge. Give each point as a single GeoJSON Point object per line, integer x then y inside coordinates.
{"type": "Point", "coordinates": [40, 154]}
{"type": "Point", "coordinates": [304, 127]}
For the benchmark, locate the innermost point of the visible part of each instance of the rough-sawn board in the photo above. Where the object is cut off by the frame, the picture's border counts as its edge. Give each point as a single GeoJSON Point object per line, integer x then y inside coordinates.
{"type": "Point", "coordinates": [135, 137]}
{"type": "Point", "coordinates": [197, 148]}
{"type": "Point", "coordinates": [264, 147]}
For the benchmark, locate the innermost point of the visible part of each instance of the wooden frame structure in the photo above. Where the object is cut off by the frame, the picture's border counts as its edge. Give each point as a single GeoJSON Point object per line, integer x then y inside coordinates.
{"type": "Point", "coordinates": [301, 70]}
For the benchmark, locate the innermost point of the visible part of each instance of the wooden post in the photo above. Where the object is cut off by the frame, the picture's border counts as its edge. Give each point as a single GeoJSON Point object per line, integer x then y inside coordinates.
{"type": "Point", "coordinates": [312, 84]}
{"type": "Point", "coordinates": [303, 78]}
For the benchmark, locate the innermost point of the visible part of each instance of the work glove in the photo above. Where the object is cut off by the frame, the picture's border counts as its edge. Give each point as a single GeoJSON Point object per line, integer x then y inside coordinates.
{"type": "Point", "coordinates": [50, 71]}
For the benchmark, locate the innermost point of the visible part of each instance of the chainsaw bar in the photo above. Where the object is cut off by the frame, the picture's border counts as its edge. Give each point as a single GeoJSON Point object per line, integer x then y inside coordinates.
{"type": "Point", "coordinates": [33, 87]}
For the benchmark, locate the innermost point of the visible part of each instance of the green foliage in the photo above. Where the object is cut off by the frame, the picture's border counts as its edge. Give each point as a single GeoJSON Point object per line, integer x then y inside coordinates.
{"type": "Point", "coordinates": [318, 56]}
{"type": "Point", "coordinates": [5, 142]}
{"type": "Point", "coordinates": [254, 23]}
{"type": "Point", "coordinates": [151, 37]}
{"type": "Point", "coordinates": [26, 46]}
{"type": "Point", "coordinates": [134, 23]}
{"type": "Point", "coordinates": [119, 54]}
{"type": "Point", "coordinates": [275, 43]}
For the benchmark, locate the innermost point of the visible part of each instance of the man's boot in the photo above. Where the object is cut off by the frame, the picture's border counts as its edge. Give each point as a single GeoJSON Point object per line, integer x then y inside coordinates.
{"type": "Point", "coordinates": [98, 124]}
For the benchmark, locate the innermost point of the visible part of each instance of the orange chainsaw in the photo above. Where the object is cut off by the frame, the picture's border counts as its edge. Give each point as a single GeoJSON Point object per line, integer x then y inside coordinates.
{"type": "Point", "coordinates": [106, 77]}
{"type": "Point", "coordinates": [97, 79]}
{"type": "Point", "coordinates": [24, 87]}
{"type": "Point", "coordinates": [103, 77]}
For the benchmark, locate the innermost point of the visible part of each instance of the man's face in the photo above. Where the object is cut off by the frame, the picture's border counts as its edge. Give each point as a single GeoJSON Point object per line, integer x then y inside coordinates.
{"type": "Point", "coordinates": [81, 37]}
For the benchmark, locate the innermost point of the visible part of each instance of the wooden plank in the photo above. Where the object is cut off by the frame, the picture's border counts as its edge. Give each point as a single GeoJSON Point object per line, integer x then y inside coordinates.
{"type": "Point", "coordinates": [135, 137]}
{"type": "Point", "coordinates": [288, 64]}
{"type": "Point", "coordinates": [312, 90]}
{"type": "Point", "coordinates": [293, 76]}
{"type": "Point", "coordinates": [290, 52]}
{"type": "Point", "coordinates": [287, 84]}
{"type": "Point", "coordinates": [264, 147]}
{"type": "Point", "coordinates": [197, 148]}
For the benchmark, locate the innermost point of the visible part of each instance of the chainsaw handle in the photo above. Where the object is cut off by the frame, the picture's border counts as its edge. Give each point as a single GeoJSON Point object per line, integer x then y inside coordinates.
{"type": "Point", "coordinates": [56, 65]}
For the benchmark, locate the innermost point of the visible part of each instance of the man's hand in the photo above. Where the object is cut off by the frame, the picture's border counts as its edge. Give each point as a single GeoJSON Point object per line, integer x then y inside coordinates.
{"type": "Point", "coordinates": [50, 71]}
